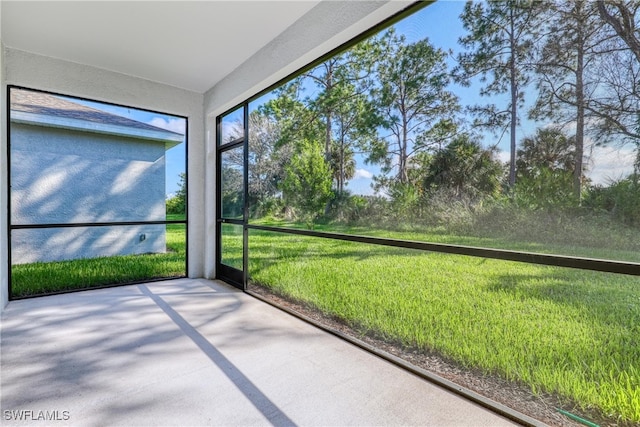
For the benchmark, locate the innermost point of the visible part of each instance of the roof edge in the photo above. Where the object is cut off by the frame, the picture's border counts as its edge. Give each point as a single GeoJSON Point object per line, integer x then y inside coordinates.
{"type": "Point", "coordinates": [170, 139]}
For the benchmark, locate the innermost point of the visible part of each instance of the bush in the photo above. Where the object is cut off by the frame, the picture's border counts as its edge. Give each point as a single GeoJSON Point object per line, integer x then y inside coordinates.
{"type": "Point", "coordinates": [579, 227]}
{"type": "Point", "coordinates": [267, 207]}
{"type": "Point", "coordinates": [456, 212]}
{"type": "Point", "coordinates": [346, 208]}
{"type": "Point", "coordinates": [621, 199]}
{"type": "Point", "coordinates": [175, 205]}
{"type": "Point", "coordinates": [546, 189]}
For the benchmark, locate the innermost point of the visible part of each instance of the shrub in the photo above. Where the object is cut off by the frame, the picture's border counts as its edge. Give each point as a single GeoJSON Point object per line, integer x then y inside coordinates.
{"type": "Point", "coordinates": [621, 199]}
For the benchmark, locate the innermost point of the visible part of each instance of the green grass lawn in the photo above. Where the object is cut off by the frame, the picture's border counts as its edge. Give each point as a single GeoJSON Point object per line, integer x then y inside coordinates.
{"type": "Point", "coordinates": [570, 332]}
{"type": "Point", "coordinates": [602, 244]}
{"type": "Point", "coordinates": [47, 277]}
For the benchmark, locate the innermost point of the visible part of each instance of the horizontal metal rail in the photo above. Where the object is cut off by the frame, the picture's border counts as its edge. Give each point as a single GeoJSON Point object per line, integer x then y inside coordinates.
{"type": "Point", "coordinates": [593, 264]}
{"type": "Point", "coordinates": [93, 224]}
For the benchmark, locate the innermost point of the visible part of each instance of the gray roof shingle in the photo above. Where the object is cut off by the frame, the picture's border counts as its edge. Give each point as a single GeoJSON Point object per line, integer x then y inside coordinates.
{"type": "Point", "coordinates": [28, 101]}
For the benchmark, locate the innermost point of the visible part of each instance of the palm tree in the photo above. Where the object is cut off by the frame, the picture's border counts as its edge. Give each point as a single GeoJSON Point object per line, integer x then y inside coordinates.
{"type": "Point", "coordinates": [550, 148]}
{"type": "Point", "coordinates": [465, 168]}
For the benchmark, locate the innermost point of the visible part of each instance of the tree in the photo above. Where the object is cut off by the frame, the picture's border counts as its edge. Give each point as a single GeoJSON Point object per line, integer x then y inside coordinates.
{"type": "Point", "coordinates": [623, 17]}
{"type": "Point", "coordinates": [342, 106]}
{"type": "Point", "coordinates": [307, 181]}
{"type": "Point", "coordinates": [550, 148]}
{"type": "Point", "coordinates": [296, 122]}
{"type": "Point", "coordinates": [572, 47]}
{"type": "Point", "coordinates": [607, 47]}
{"type": "Point", "coordinates": [417, 109]}
{"type": "Point", "coordinates": [267, 157]}
{"type": "Point", "coordinates": [620, 198]}
{"type": "Point", "coordinates": [499, 41]}
{"type": "Point", "coordinates": [466, 169]}
{"type": "Point", "coordinates": [178, 203]}
{"type": "Point", "coordinates": [615, 110]}
{"type": "Point", "coordinates": [613, 107]}
{"type": "Point", "coordinates": [356, 121]}
{"type": "Point", "coordinates": [232, 186]}
{"type": "Point", "coordinates": [343, 164]}
{"type": "Point", "coordinates": [545, 169]}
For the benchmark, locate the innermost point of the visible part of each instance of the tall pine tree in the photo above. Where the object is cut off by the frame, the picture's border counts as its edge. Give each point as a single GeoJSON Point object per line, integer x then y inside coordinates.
{"type": "Point", "coordinates": [572, 47]}
{"type": "Point", "coordinates": [499, 43]}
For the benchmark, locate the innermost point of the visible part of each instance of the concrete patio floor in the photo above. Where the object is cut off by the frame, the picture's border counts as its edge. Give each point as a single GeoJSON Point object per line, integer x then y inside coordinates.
{"type": "Point", "coordinates": [194, 352]}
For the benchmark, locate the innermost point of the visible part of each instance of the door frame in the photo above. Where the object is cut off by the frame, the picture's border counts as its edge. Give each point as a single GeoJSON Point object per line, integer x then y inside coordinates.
{"type": "Point", "coordinates": [226, 273]}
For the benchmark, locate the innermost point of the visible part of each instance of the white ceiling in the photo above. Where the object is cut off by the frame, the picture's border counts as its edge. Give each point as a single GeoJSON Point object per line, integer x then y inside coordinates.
{"type": "Point", "coordinates": [187, 44]}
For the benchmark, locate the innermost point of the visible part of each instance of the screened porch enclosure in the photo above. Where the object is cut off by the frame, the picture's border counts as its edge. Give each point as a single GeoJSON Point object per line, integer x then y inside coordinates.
{"type": "Point", "coordinates": [452, 186]}
{"type": "Point", "coordinates": [392, 190]}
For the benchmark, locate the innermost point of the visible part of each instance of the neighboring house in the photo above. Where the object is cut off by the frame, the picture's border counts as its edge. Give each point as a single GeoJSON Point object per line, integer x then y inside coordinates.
{"type": "Point", "coordinates": [73, 164]}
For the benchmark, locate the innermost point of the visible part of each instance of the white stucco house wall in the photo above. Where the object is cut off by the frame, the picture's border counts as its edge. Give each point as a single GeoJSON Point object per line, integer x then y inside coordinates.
{"type": "Point", "coordinates": [72, 164]}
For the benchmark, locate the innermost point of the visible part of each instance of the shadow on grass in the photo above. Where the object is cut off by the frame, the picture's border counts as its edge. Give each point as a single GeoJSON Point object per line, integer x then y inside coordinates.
{"type": "Point", "coordinates": [607, 298]}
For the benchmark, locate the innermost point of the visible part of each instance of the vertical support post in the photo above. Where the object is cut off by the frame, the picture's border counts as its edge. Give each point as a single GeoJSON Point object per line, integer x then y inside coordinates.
{"type": "Point", "coordinates": [245, 178]}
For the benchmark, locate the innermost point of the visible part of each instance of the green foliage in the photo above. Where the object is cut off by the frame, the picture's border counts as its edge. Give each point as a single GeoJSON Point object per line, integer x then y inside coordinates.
{"type": "Point", "coordinates": [376, 211]}
{"type": "Point", "coordinates": [405, 200]}
{"type": "Point", "coordinates": [548, 188]}
{"type": "Point", "coordinates": [550, 148]}
{"type": "Point", "coordinates": [346, 208]}
{"type": "Point", "coordinates": [414, 101]}
{"type": "Point", "coordinates": [465, 169]}
{"type": "Point", "coordinates": [307, 182]}
{"type": "Point", "coordinates": [446, 186]}
{"type": "Point", "coordinates": [232, 192]}
{"type": "Point", "coordinates": [499, 49]}
{"type": "Point", "coordinates": [178, 203]}
{"type": "Point", "coordinates": [545, 171]}
{"type": "Point", "coordinates": [342, 108]}
{"type": "Point", "coordinates": [267, 156]}
{"type": "Point", "coordinates": [266, 207]}
{"type": "Point", "coordinates": [295, 121]}
{"type": "Point", "coordinates": [566, 69]}
{"type": "Point", "coordinates": [621, 199]}
{"type": "Point", "coordinates": [499, 41]}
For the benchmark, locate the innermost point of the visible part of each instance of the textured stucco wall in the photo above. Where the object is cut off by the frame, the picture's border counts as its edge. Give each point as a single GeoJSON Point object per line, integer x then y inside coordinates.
{"type": "Point", "coordinates": [66, 176]}
{"type": "Point", "coordinates": [322, 29]}
{"type": "Point", "coordinates": [58, 244]}
{"type": "Point", "coordinates": [55, 75]}
{"type": "Point", "coordinates": [61, 176]}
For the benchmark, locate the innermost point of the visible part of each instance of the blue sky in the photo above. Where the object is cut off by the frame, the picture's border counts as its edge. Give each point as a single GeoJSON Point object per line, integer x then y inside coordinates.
{"type": "Point", "coordinates": [440, 23]}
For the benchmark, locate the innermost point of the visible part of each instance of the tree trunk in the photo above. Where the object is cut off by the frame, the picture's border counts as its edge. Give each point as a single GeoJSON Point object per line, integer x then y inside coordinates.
{"type": "Point", "coordinates": [328, 125]}
{"type": "Point", "coordinates": [328, 129]}
{"type": "Point", "coordinates": [514, 102]}
{"type": "Point", "coordinates": [403, 153]}
{"type": "Point", "coordinates": [577, 171]}
{"type": "Point", "coordinates": [342, 173]}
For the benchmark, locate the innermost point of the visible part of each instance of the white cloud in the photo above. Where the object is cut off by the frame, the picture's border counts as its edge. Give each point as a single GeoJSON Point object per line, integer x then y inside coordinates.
{"type": "Point", "coordinates": [608, 164]}
{"type": "Point", "coordinates": [174, 125]}
{"type": "Point", "coordinates": [504, 156]}
{"type": "Point", "coordinates": [362, 174]}
{"type": "Point", "coordinates": [604, 165]}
